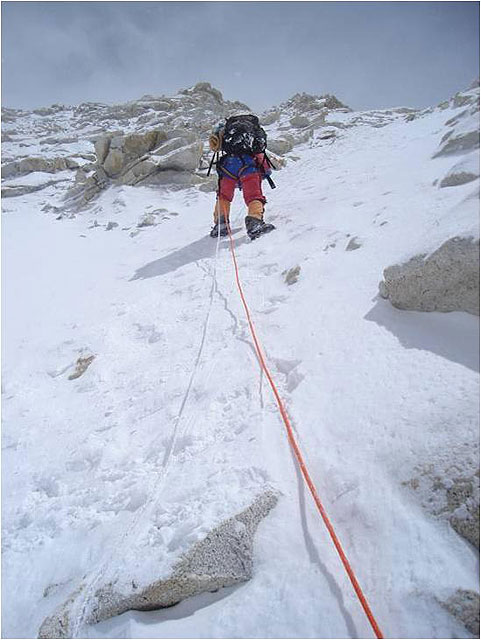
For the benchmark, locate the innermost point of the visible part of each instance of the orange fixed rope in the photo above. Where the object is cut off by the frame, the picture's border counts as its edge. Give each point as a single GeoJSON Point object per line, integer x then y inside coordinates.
{"type": "Point", "coordinates": [298, 454]}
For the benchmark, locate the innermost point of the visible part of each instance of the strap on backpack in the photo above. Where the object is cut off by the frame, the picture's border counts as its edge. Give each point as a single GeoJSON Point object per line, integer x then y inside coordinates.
{"type": "Point", "coordinates": [271, 182]}
{"type": "Point", "coordinates": [216, 153]}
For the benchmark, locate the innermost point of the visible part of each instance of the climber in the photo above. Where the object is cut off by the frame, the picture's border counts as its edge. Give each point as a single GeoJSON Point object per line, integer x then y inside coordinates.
{"type": "Point", "coordinates": [243, 164]}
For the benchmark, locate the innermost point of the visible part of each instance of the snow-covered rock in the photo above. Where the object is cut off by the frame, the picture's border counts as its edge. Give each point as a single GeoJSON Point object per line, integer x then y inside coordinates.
{"type": "Point", "coordinates": [223, 558]}
{"type": "Point", "coordinates": [464, 605]}
{"type": "Point", "coordinates": [462, 172]}
{"type": "Point", "coordinates": [463, 127]}
{"type": "Point", "coordinates": [280, 146]}
{"type": "Point", "coordinates": [445, 280]}
{"type": "Point", "coordinates": [31, 165]}
{"type": "Point", "coordinates": [448, 488]}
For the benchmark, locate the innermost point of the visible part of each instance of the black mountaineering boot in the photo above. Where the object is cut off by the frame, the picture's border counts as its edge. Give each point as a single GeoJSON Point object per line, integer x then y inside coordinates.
{"type": "Point", "coordinates": [256, 227]}
{"type": "Point", "coordinates": [215, 231]}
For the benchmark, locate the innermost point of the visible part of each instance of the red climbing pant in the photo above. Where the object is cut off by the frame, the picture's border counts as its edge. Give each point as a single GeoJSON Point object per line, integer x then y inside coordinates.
{"type": "Point", "coordinates": [251, 185]}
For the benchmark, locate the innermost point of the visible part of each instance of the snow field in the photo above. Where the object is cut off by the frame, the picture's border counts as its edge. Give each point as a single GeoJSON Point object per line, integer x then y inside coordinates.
{"type": "Point", "coordinates": [161, 439]}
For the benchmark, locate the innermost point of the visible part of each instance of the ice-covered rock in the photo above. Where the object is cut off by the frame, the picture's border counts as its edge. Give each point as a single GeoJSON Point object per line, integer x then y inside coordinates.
{"type": "Point", "coordinates": [223, 558]}
{"type": "Point", "coordinates": [445, 280]}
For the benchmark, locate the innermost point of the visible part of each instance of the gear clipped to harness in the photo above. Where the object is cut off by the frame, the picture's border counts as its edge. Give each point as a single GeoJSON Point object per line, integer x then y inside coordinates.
{"type": "Point", "coordinates": [243, 135]}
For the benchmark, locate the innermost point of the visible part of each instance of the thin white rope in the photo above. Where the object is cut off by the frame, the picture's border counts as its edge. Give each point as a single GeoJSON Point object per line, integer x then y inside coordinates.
{"type": "Point", "coordinates": [82, 602]}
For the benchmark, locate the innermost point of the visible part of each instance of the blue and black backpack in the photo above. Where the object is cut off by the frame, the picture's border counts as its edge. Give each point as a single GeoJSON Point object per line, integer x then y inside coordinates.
{"type": "Point", "coordinates": [243, 135]}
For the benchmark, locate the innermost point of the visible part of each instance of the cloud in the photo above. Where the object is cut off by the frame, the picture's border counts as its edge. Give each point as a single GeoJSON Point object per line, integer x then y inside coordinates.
{"type": "Point", "coordinates": [372, 54]}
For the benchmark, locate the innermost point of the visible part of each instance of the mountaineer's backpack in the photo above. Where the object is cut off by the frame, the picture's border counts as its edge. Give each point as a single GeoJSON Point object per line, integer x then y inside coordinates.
{"type": "Point", "coordinates": [243, 134]}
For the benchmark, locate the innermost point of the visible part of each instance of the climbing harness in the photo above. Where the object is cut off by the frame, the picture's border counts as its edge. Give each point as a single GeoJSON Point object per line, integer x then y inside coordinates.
{"type": "Point", "coordinates": [297, 452]}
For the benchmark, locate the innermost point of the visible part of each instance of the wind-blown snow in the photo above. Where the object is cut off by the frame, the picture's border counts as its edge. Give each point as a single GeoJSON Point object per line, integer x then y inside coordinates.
{"type": "Point", "coordinates": [91, 471]}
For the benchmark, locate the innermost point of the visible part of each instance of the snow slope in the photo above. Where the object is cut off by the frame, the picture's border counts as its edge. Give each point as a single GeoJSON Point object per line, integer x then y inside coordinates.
{"type": "Point", "coordinates": [173, 428]}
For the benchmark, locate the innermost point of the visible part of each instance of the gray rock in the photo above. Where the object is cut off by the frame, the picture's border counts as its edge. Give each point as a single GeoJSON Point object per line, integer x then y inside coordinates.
{"type": "Point", "coordinates": [204, 88]}
{"type": "Point", "coordinates": [223, 558]}
{"type": "Point", "coordinates": [32, 164]}
{"type": "Point", "coordinates": [464, 98]}
{"type": "Point", "coordinates": [291, 276]}
{"type": "Point", "coordinates": [353, 244]}
{"type": "Point", "coordinates": [173, 178]}
{"type": "Point", "coordinates": [270, 117]}
{"type": "Point", "coordinates": [22, 190]}
{"type": "Point", "coordinates": [173, 143]}
{"type": "Point", "coordinates": [299, 122]}
{"type": "Point", "coordinates": [63, 140]}
{"type": "Point", "coordinates": [329, 134]}
{"type": "Point", "coordinates": [81, 366]}
{"type": "Point", "coordinates": [464, 606]}
{"type": "Point", "coordinates": [208, 185]}
{"type": "Point", "coordinates": [450, 490]}
{"type": "Point", "coordinates": [280, 146]}
{"type": "Point", "coordinates": [186, 136]}
{"type": "Point", "coordinates": [135, 145]}
{"type": "Point", "coordinates": [147, 220]}
{"type": "Point", "coordinates": [446, 280]}
{"type": "Point", "coordinates": [114, 162]}
{"type": "Point", "coordinates": [463, 504]}
{"type": "Point", "coordinates": [102, 146]}
{"type": "Point", "coordinates": [454, 179]}
{"type": "Point", "coordinates": [138, 172]}
{"type": "Point", "coordinates": [111, 225]}
{"type": "Point", "coordinates": [331, 102]}
{"type": "Point", "coordinates": [459, 144]}
{"type": "Point", "coordinates": [183, 159]}
{"type": "Point", "coordinates": [118, 153]}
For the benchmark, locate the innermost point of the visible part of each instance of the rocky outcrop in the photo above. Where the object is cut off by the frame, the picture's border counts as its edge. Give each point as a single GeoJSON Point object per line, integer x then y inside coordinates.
{"type": "Point", "coordinates": [12, 191]}
{"type": "Point", "coordinates": [299, 121]}
{"type": "Point", "coordinates": [462, 135]}
{"type": "Point", "coordinates": [457, 177]}
{"type": "Point", "coordinates": [223, 558]}
{"type": "Point", "coordinates": [458, 144]}
{"type": "Point", "coordinates": [445, 280]}
{"type": "Point", "coordinates": [50, 111]}
{"type": "Point", "coordinates": [155, 156]}
{"type": "Point", "coordinates": [462, 172]}
{"type": "Point", "coordinates": [116, 152]}
{"type": "Point", "coordinates": [305, 102]}
{"type": "Point", "coordinates": [154, 140]}
{"type": "Point", "coordinates": [270, 117]}
{"type": "Point", "coordinates": [464, 606]}
{"type": "Point", "coordinates": [29, 165]}
{"type": "Point", "coordinates": [280, 146]}
{"type": "Point", "coordinates": [125, 136]}
{"type": "Point", "coordinates": [462, 498]}
{"type": "Point", "coordinates": [448, 488]}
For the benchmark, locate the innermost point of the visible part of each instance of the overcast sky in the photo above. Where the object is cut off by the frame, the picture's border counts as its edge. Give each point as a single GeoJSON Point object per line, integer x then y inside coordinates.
{"type": "Point", "coordinates": [369, 54]}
